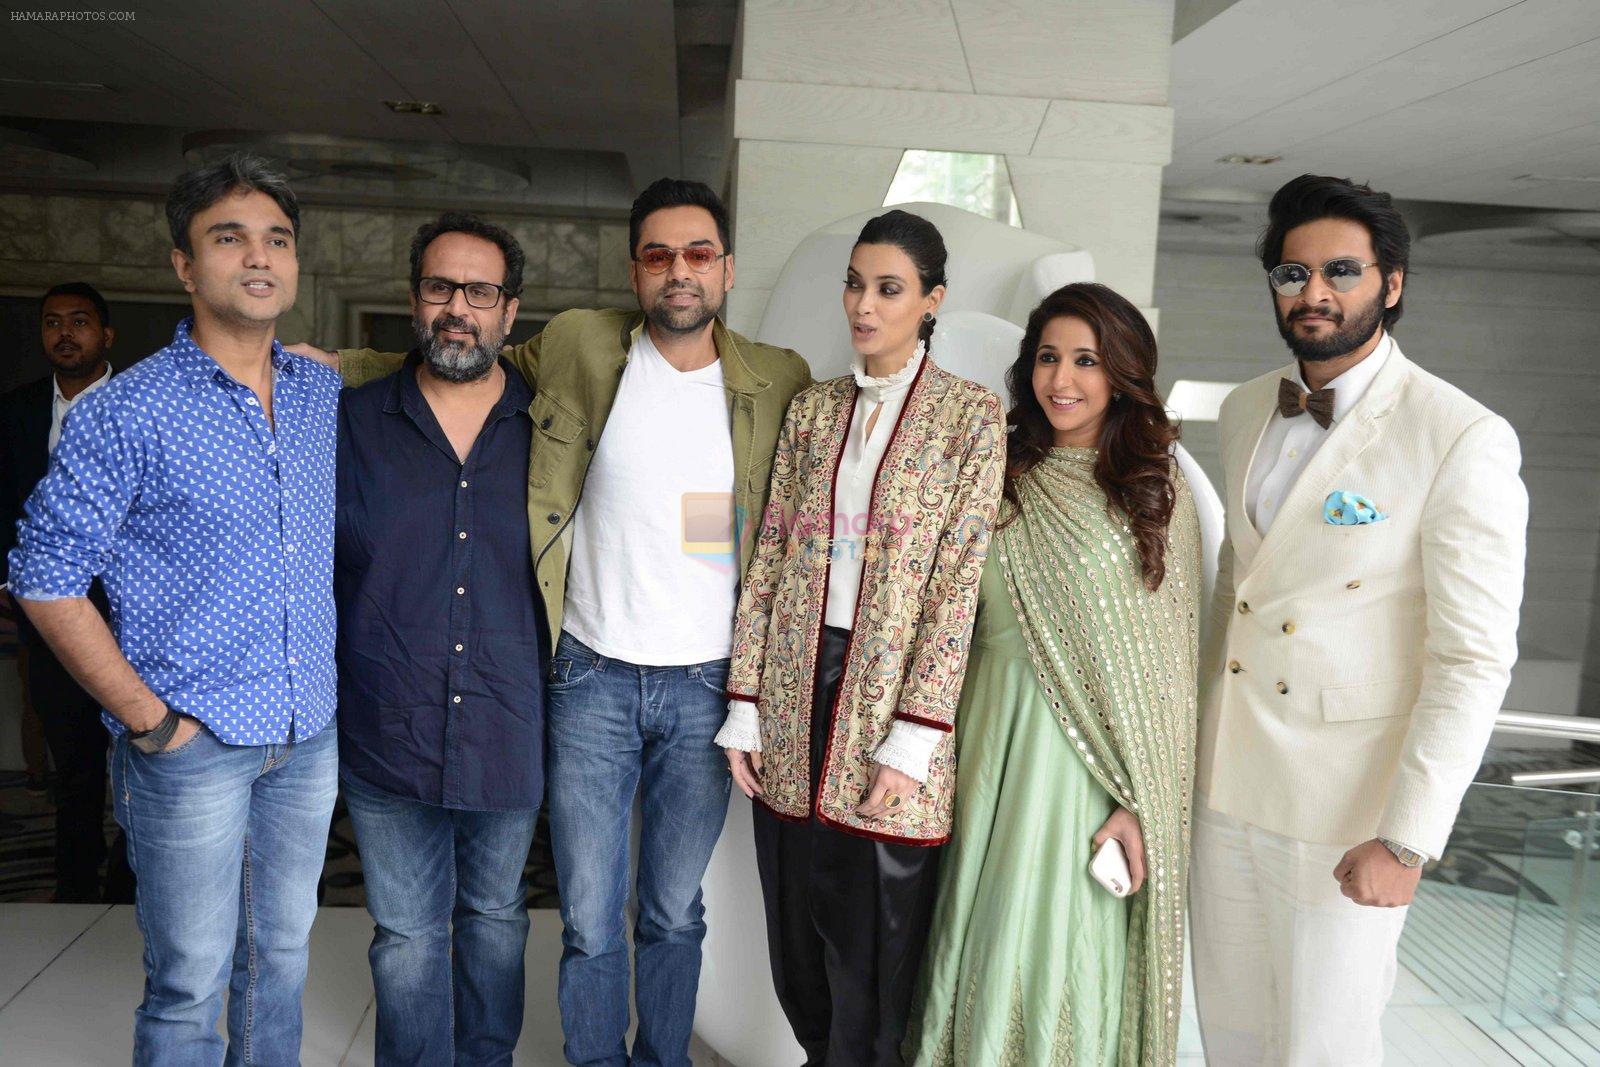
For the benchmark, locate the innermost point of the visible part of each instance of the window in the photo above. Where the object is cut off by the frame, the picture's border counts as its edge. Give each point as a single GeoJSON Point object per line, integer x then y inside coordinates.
{"type": "Point", "coordinates": [976, 181]}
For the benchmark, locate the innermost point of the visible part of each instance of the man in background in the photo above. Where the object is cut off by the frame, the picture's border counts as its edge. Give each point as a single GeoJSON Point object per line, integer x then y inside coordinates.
{"type": "Point", "coordinates": [75, 327]}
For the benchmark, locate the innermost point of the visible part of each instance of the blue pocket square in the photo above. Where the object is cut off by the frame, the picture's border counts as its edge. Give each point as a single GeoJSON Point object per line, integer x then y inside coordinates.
{"type": "Point", "coordinates": [1350, 509]}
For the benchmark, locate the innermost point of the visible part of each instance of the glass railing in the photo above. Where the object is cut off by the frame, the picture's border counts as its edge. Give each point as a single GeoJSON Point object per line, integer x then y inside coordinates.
{"type": "Point", "coordinates": [1500, 959]}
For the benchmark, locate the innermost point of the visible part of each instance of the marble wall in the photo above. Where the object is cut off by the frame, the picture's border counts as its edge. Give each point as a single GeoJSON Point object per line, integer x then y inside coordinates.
{"type": "Point", "coordinates": [351, 259]}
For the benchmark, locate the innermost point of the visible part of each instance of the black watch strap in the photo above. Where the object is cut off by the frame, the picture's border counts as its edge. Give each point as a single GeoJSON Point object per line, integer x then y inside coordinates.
{"type": "Point", "coordinates": [154, 740]}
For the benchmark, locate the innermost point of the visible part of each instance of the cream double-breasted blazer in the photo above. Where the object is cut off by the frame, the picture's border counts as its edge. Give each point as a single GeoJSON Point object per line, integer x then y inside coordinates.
{"type": "Point", "coordinates": [1352, 674]}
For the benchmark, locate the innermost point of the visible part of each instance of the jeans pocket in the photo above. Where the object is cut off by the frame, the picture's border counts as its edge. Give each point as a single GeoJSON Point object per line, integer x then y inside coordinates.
{"type": "Point", "coordinates": [714, 676]}
{"type": "Point", "coordinates": [168, 753]}
{"type": "Point", "coordinates": [566, 673]}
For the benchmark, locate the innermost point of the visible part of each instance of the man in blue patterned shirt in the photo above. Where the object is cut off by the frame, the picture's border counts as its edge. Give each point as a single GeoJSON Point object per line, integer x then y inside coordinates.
{"type": "Point", "coordinates": [198, 487]}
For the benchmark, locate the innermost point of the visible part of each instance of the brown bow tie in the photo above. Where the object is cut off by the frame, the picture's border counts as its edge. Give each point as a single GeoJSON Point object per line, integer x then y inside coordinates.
{"type": "Point", "coordinates": [1293, 400]}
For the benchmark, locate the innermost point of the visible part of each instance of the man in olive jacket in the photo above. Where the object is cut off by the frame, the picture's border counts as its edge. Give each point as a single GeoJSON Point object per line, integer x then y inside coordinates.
{"type": "Point", "coordinates": [654, 432]}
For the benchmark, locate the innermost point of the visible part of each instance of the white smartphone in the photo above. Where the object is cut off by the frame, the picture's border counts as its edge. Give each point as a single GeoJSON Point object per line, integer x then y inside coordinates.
{"type": "Point", "coordinates": [1110, 868]}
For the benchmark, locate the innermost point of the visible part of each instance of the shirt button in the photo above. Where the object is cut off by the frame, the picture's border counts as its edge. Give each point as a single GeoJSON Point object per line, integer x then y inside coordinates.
{"type": "Point", "coordinates": [293, 661]}
{"type": "Point", "coordinates": [1234, 667]}
{"type": "Point", "coordinates": [1244, 607]}
{"type": "Point", "coordinates": [462, 535]}
{"type": "Point", "coordinates": [1283, 687]}
{"type": "Point", "coordinates": [463, 483]}
{"type": "Point", "coordinates": [461, 591]}
{"type": "Point", "coordinates": [252, 401]}
{"type": "Point", "coordinates": [553, 518]}
{"type": "Point", "coordinates": [460, 647]}
{"type": "Point", "coordinates": [455, 699]}
{"type": "Point", "coordinates": [1288, 627]}
{"type": "Point", "coordinates": [289, 547]}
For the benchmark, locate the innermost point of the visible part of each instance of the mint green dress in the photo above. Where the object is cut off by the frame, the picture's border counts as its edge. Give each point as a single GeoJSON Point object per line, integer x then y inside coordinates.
{"type": "Point", "coordinates": [1025, 959]}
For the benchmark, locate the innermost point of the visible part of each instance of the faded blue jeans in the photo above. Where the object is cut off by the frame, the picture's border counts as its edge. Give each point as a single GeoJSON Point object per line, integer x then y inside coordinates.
{"type": "Point", "coordinates": [447, 896]}
{"type": "Point", "coordinates": [616, 729]}
{"type": "Point", "coordinates": [227, 844]}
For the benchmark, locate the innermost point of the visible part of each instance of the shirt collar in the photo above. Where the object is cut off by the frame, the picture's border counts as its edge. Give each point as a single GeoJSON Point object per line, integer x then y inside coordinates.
{"type": "Point", "coordinates": [1353, 384]}
{"type": "Point", "coordinates": [406, 395]}
{"type": "Point", "coordinates": [201, 367]}
{"type": "Point", "coordinates": [55, 386]}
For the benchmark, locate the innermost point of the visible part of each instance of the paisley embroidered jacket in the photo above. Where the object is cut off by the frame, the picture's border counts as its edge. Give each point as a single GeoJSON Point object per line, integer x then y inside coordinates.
{"type": "Point", "coordinates": [933, 504]}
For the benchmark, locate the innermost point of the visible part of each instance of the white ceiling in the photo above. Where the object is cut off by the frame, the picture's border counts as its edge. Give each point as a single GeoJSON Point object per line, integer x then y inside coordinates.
{"type": "Point", "coordinates": [1453, 100]}
{"type": "Point", "coordinates": [563, 75]}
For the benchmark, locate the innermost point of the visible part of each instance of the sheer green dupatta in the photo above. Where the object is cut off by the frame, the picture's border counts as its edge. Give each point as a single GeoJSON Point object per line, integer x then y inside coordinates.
{"type": "Point", "coordinates": [1118, 665]}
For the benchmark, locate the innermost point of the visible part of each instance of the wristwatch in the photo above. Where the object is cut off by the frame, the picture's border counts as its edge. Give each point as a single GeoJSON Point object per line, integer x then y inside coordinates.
{"type": "Point", "coordinates": [1408, 857]}
{"type": "Point", "coordinates": [154, 740]}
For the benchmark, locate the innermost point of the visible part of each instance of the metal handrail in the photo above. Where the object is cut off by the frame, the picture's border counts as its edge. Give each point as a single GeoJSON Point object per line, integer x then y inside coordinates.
{"type": "Point", "coordinates": [1570, 727]}
{"type": "Point", "coordinates": [1576, 776]}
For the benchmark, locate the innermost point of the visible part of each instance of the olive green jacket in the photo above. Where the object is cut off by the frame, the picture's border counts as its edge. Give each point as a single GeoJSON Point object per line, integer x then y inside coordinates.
{"type": "Point", "coordinates": [574, 367]}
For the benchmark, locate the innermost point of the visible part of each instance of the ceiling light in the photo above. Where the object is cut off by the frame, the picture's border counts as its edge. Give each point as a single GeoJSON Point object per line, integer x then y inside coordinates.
{"type": "Point", "coordinates": [1254, 161]}
{"type": "Point", "coordinates": [54, 86]}
{"type": "Point", "coordinates": [413, 107]}
{"type": "Point", "coordinates": [1557, 178]}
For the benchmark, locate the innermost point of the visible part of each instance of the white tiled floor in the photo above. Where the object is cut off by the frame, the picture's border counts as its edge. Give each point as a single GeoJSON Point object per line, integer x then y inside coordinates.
{"type": "Point", "coordinates": [70, 976]}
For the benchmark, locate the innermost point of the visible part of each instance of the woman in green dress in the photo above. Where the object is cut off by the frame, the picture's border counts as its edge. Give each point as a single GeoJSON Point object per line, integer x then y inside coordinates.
{"type": "Point", "coordinates": [1076, 722]}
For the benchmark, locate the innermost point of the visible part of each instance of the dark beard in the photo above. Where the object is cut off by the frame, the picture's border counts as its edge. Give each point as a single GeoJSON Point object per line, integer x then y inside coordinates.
{"type": "Point", "coordinates": [681, 320]}
{"type": "Point", "coordinates": [1347, 336]}
{"type": "Point", "coordinates": [453, 361]}
{"type": "Point", "coordinates": [76, 366]}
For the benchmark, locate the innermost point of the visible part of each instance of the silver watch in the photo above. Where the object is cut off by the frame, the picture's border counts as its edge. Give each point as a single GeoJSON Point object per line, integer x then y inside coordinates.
{"type": "Point", "coordinates": [1408, 857]}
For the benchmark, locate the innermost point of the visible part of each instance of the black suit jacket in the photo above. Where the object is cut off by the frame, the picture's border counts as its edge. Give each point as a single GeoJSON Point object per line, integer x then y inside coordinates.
{"type": "Point", "coordinates": [24, 460]}
{"type": "Point", "coordinates": [24, 454]}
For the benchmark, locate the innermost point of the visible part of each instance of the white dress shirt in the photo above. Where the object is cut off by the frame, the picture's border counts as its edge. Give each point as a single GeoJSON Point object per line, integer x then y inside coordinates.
{"type": "Point", "coordinates": [909, 746]}
{"type": "Point", "coordinates": [60, 405]}
{"type": "Point", "coordinates": [1288, 444]}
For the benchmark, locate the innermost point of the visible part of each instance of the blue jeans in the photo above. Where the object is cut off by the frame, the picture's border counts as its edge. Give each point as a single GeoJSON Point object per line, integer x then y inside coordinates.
{"type": "Point", "coordinates": [227, 844]}
{"type": "Point", "coordinates": [448, 900]}
{"type": "Point", "coordinates": [616, 729]}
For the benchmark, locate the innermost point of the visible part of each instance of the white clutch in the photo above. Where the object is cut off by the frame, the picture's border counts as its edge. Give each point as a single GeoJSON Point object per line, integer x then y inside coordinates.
{"type": "Point", "coordinates": [1110, 868]}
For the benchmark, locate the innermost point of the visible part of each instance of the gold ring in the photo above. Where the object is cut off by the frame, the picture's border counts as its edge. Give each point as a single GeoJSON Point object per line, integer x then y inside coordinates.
{"type": "Point", "coordinates": [891, 800]}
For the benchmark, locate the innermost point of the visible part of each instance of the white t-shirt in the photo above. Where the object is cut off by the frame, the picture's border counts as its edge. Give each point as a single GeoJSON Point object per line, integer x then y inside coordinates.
{"type": "Point", "coordinates": [654, 574]}
{"type": "Point", "coordinates": [1287, 445]}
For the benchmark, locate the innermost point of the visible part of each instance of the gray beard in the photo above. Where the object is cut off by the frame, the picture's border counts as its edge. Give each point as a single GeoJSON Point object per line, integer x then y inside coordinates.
{"type": "Point", "coordinates": [453, 361]}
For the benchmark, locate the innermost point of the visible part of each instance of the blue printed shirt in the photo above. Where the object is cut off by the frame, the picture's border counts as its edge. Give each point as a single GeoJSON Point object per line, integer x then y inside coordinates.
{"type": "Point", "coordinates": [211, 529]}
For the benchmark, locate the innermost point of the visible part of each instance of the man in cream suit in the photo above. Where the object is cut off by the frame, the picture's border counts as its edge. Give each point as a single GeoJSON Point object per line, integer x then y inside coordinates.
{"type": "Point", "coordinates": [1362, 637]}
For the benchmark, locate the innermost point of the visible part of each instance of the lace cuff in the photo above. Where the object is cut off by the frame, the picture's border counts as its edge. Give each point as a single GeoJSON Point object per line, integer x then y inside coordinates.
{"type": "Point", "coordinates": [909, 748]}
{"type": "Point", "coordinates": [741, 729]}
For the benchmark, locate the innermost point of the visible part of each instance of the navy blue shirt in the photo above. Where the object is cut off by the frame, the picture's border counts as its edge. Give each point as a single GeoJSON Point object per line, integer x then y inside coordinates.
{"type": "Point", "coordinates": [441, 630]}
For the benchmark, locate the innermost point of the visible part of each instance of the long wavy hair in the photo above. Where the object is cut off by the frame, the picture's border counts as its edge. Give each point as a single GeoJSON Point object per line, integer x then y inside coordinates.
{"type": "Point", "coordinates": [1135, 465]}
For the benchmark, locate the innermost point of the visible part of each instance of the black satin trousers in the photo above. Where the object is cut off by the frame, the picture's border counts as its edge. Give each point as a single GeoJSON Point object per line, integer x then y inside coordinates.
{"type": "Point", "coordinates": [847, 916]}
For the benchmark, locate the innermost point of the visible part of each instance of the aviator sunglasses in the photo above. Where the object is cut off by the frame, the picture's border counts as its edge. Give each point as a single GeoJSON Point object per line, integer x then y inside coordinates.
{"type": "Point", "coordinates": [1342, 275]}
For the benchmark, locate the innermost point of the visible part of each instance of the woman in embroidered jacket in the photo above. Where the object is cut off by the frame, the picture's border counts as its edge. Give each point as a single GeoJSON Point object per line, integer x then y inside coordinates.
{"type": "Point", "coordinates": [849, 645]}
{"type": "Point", "coordinates": [1077, 720]}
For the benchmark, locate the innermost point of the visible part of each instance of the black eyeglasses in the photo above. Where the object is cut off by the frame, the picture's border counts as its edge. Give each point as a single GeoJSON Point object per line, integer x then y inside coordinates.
{"type": "Point", "coordinates": [479, 294]}
{"type": "Point", "coordinates": [1342, 275]}
{"type": "Point", "coordinates": [700, 258]}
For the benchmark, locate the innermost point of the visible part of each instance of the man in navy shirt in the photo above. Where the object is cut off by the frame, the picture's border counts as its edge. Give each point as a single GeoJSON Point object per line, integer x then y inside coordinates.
{"type": "Point", "coordinates": [441, 713]}
{"type": "Point", "coordinates": [198, 488]}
